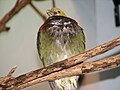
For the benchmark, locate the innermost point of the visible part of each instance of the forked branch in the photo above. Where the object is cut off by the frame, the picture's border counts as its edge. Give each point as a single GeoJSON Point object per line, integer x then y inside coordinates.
{"type": "Point", "coordinates": [17, 7]}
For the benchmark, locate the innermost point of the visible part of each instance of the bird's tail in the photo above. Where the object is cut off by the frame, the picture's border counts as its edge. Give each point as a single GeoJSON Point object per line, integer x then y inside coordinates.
{"type": "Point", "coordinates": [68, 83]}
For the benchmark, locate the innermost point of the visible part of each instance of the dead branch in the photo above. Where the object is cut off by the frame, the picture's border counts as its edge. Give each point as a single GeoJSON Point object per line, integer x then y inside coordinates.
{"type": "Point", "coordinates": [84, 68]}
{"type": "Point", "coordinates": [69, 67]}
{"type": "Point", "coordinates": [18, 6]}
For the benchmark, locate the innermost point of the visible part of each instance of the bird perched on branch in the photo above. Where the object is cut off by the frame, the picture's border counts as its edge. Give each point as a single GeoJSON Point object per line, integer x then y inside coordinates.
{"type": "Point", "coordinates": [60, 37]}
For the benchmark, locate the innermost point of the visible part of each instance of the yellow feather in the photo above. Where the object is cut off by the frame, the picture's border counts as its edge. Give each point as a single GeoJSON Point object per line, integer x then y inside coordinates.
{"type": "Point", "coordinates": [55, 12]}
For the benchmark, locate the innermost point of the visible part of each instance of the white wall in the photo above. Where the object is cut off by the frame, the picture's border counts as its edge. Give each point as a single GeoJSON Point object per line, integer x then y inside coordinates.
{"type": "Point", "coordinates": [107, 31]}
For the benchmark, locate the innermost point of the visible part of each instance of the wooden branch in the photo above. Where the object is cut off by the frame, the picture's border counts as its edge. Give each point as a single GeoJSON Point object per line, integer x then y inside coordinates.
{"type": "Point", "coordinates": [38, 11]}
{"type": "Point", "coordinates": [18, 6]}
{"type": "Point", "coordinates": [84, 68]}
{"type": "Point", "coordinates": [69, 67]}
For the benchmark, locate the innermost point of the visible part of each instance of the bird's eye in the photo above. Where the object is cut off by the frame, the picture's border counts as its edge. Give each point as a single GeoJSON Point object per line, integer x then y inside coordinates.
{"type": "Point", "coordinates": [59, 12]}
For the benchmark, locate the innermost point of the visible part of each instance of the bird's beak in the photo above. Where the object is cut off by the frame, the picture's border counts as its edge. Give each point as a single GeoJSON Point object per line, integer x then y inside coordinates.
{"type": "Point", "coordinates": [49, 12]}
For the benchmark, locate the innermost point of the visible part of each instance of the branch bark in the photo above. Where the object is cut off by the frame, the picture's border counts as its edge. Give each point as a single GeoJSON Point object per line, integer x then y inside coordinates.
{"type": "Point", "coordinates": [18, 6]}
{"type": "Point", "coordinates": [69, 67]}
{"type": "Point", "coordinates": [84, 68]}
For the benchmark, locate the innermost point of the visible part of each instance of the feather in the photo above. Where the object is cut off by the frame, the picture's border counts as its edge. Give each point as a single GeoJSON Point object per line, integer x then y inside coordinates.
{"type": "Point", "coordinates": [59, 38]}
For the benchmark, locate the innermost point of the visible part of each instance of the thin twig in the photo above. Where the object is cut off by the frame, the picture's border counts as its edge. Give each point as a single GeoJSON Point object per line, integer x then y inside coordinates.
{"type": "Point", "coordinates": [53, 3]}
{"type": "Point", "coordinates": [12, 71]}
{"type": "Point", "coordinates": [38, 11]}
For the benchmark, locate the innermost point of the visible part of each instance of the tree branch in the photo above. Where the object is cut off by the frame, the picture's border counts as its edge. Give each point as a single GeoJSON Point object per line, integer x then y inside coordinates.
{"type": "Point", "coordinates": [84, 68]}
{"type": "Point", "coordinates": [18, 6]}
{"type": "Point", "coordinates": [69, 67]}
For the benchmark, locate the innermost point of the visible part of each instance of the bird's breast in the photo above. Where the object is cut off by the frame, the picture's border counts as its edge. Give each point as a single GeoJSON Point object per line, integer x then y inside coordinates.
{"type": "Point", "coordinates": [62, 51]}
{"type": "Point", "coordinates": [61, 30]}
{"type": "Point", "coordinates": [61, 27]}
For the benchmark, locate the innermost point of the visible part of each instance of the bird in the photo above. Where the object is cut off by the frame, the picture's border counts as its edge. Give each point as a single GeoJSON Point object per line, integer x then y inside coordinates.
{"type": "Point", "coordinates": [59, 38]}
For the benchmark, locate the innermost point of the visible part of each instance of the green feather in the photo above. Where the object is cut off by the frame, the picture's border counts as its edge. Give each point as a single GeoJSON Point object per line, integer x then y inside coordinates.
{"type": "Point", "coordinates": [48, 51]}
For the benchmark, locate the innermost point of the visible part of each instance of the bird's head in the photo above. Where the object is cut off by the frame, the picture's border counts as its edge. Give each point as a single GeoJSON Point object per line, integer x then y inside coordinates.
{"type": "Point", "coordinates": [55, 12]}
